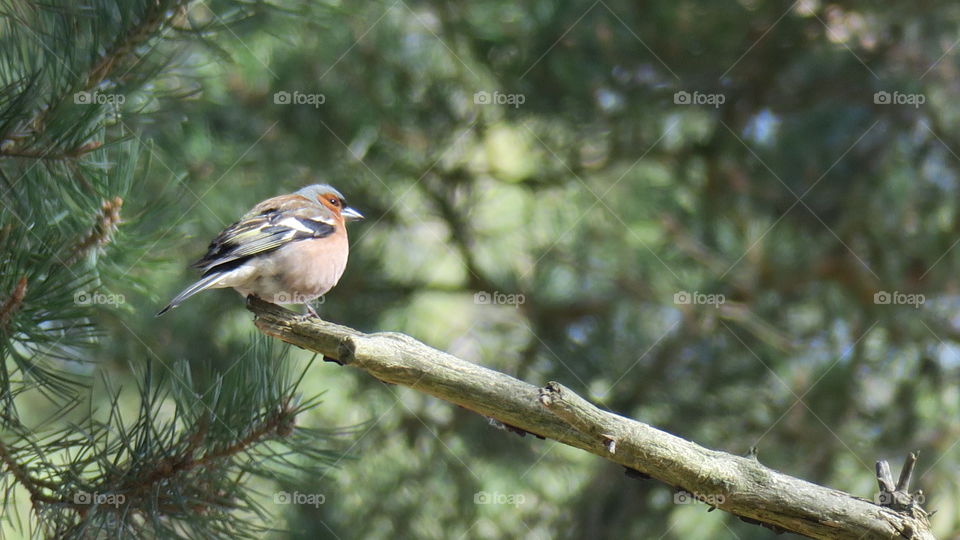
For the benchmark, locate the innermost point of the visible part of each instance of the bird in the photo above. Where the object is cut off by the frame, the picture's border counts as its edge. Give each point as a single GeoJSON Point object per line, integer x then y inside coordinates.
{"type": "Point", "coordinates": [289, 249]}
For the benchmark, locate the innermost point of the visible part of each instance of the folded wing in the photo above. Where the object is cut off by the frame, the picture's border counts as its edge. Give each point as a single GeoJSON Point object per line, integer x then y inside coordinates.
{"type": "Point", "coordinates": [258, 235]}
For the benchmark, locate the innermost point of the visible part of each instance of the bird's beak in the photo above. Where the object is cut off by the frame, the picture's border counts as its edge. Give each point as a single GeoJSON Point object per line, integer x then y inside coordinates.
{"type": "Point", "coordinates": [349, 214]}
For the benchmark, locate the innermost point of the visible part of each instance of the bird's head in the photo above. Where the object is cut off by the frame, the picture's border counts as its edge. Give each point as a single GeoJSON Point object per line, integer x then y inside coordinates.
{"type": "Point", "coordinates": [332, 199]}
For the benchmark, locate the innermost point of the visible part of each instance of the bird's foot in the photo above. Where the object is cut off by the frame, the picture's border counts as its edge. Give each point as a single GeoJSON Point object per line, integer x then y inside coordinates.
{"type": "Point", "coordinates": [310, 314]}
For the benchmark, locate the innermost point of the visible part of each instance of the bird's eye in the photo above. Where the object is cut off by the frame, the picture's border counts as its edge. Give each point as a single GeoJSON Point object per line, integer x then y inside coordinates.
{"type": "Point", "coordinates": [334, 201]}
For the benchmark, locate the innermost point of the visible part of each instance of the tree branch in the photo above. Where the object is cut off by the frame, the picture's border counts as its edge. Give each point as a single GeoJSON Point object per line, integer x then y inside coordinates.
{"type": "Point", "coordinates": [12, 304]}
{"type": "Point", "coordinates": [739, 485]}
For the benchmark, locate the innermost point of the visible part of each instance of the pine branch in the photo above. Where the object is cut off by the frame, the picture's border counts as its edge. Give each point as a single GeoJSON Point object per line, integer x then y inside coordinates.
{"type": "Point", "coordinates": [104, 225]}
{"type": "Point", "coordinates": [159, 14]}
{"type": "Point", "coordinates": [25, 130]}
{"type": "Point", "coordinates": [13, 303]}
{"type": "Point", "coordinates": [735, 484]}
{"type": "Point", "coordinates": [188, 461]}
{"type": "Point", "coordinates": [10, 150]}
{"type": "Point", "coordinates": [138, 490]}
{"type": "Point", "coordinates": [31, 484]}
{"type": "Point", "coordinates": [183, 475]}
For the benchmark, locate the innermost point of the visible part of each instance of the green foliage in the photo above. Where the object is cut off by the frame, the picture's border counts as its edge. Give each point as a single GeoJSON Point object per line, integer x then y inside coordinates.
{"type": "Point", "coordinates": [789, 214]}
{"type": "Point", "coordinates": [151, 446]}
{"type": "Point", "coordinates": [182, 466]}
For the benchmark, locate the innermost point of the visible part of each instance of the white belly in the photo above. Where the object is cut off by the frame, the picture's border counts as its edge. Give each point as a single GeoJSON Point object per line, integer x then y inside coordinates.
{"type": "Point", "coordinates": [286, 276]}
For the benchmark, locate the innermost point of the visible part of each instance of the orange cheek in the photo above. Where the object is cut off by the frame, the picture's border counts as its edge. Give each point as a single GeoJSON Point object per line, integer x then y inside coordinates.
{"type": "Point", "coordinates": [331, 207]}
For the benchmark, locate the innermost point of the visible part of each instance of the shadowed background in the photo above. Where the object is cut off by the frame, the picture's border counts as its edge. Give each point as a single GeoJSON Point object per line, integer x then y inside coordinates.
{"type": "Point", "coordinates": [735, 221]}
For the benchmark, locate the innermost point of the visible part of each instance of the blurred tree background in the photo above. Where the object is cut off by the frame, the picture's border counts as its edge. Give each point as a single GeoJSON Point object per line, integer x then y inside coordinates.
{"type": "Point", "coordinates": [735, 221]}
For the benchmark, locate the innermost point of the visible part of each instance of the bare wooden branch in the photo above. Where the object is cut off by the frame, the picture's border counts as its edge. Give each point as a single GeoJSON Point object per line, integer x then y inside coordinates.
{"type": "Point", "coordinates": [736, 484]}
{"type": "Point", "coordinates": [897, 496]}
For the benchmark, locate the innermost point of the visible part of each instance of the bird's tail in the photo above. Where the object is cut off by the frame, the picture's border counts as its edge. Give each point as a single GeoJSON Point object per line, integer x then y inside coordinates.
{"type": "Point", "coordinates": [202, 285]}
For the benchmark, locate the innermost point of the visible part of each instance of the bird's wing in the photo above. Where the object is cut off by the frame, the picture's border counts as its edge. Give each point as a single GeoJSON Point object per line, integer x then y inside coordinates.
{"type": "Point", "coordinates": [267, 228]}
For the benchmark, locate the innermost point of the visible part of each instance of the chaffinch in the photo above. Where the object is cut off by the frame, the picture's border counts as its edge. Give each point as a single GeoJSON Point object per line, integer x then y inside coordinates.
{"type": "Point", "coordinates": [290, 249]}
